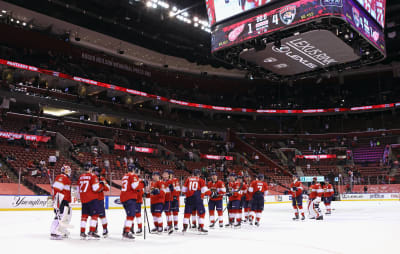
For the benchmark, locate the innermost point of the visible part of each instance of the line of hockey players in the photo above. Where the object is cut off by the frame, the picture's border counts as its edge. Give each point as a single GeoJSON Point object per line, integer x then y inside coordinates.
{"type": "Point", "coordinates": [164, 192]}
{"type": "Point", "coordinates": [315, 195]}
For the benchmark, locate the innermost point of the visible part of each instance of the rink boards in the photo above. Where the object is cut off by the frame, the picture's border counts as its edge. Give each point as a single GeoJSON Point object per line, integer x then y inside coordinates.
{"type": "Point", "coordinates": [29, 203]}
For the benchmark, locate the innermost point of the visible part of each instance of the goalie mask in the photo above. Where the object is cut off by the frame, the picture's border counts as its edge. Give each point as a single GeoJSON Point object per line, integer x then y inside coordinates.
{"type": "Point", "coordinates": [66, 170]}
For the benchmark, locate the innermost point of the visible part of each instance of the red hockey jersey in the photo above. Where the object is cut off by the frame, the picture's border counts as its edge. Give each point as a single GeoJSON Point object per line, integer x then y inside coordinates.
{"type": "Point", "coordinates": [315, 191]}
{"type": "Point", "coordinates": [218, 187]}
{"type": "Point", "coordinates": [89, 187]}
{"type": "Point", "coordinates": [168, 194]}
{"type": "Point", "coordinates": [129, 185]}
{"type": "Point", "coordinates": [260, 186]}
{"type": "Point", "coordinates": [177, 188]}
{"type": "Point", "coordinates": [140, 192]}
{"type": "Point", "coordinates": [328, 190]}
{"type": "Point", "coordinates": [193, 184]}
{"type": "Point", "coordinates": [62, 185]}
{"type": "Point", "coordinates": [159, 198]}
{"type": "Point", "coordinates": [298, 191]}
{"type": "Point", "coordinates": [103, 188]}
{"type": "Point", "coordinates": [238, 189]}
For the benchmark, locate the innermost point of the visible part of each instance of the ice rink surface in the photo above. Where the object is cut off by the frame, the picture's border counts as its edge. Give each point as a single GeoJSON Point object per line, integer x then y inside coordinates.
{"type": "Point", "coordinates": [354, 227]}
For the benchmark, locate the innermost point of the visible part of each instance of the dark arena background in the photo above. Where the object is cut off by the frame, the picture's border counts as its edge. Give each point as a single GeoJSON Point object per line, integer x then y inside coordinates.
{"type": "Point", "coordinates": [166, 126]}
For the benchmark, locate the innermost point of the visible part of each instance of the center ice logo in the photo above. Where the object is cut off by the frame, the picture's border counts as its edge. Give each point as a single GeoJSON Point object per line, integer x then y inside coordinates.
{"type": "Point", "coordinates": [287, 14]}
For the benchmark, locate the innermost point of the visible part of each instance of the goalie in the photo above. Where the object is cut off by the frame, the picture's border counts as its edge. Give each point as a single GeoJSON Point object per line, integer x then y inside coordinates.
{"type": "Point", "coordinates": [61, 200]}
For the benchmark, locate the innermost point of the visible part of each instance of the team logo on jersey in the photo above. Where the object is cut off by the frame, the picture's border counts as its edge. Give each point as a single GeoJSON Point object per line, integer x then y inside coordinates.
{"type": "Point", "coordinates": [287, 14]}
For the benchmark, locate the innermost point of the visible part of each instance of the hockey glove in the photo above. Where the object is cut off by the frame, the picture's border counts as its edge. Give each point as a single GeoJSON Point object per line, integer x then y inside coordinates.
{"type": "Point", "coordinates": [214, 194]}
{"type": "Point", "coordinates": [155, 191]}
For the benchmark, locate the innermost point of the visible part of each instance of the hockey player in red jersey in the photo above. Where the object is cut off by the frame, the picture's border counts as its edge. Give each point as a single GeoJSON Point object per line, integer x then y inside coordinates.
{"type": "Point", "coordinates": [234, 193]}
{"type": "Point", "coordinates": [247, 199]}
{"type": "Point", "coordinates": [216, 191]}
{"type": "Point", "coordinates": [258, 189]}
{"type": "Point", "coordinates": [296, 190]}
{"type": "Point", "coordinates": [61, 200]}
{"type": "Point", "coordinates": [157, 200]}
{"type": "Point", "coordinates": [243, 191]}
{"type": "Point", "coordinates": [168, 199]}
{"type": "Point", "coordinates": [176, 191]}
{"type": "Point", "coordinates": [104, 187]}
{"type": "Point", "coordinates": [194, 187]}
{"type": "Point", "coordinates": [314, 198]}
{"type": "Point", "coordinates": [89, 187]}
{"type": "Point", "coordinates": [328, 194]}
{"type": "Point", "coordinates": [128, 197]}
{"type": "Point", "coordinates": [139, 201]}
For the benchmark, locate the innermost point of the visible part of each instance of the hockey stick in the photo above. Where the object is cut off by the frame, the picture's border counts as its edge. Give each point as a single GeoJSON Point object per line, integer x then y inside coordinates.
{"type": "Point", "coordinates": [145, 217]}
{"type": "Point", "coordinates": [145, 214]}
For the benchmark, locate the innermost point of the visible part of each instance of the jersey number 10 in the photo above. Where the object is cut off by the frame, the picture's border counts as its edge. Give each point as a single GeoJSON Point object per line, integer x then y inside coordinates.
{"type": "Point", "coordinates": [193, 186]}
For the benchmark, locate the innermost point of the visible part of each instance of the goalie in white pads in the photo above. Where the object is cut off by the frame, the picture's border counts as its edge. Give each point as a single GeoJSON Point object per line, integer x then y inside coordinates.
{"type": "Point", "coordinates": [61, 200]}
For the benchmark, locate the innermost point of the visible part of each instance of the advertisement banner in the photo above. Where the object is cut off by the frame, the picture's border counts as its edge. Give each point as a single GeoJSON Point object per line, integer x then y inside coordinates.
{"type": "Point", "coordinates": [302, 53]}
{"type": "Point", "coordinates": [216, 157]}
{"type": "Point", "coordinates": [317, 157]}
{"type": "Point", "coordinates": [265, 22]}
{"type": "Point", "coordinates": [25, 202]}
{"type": "Point", "coordinates": [370, 197]}
{"type": "Point", "coordinates": [28, 137]}
{"type": "Point", "coordinates": [136, 148]}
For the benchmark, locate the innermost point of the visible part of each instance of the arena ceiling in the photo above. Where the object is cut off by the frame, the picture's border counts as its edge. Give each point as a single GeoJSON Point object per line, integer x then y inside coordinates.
{"type": "Point", "coordinates": [134, 22]}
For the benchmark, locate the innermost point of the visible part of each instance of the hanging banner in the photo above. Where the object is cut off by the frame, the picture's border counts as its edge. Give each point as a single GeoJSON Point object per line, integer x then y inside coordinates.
{"type": "Point", "coordinates": [216, 157]}
{"type": "Point", "coordinates": [28, 137]}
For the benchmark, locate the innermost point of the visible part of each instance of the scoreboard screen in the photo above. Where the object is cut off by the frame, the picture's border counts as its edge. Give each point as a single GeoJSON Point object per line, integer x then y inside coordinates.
{"type": "Point", "coordinates": [376, 8]}
{"type": "Point", "coordinates": [219, 10]}
{"type": "Point", "coordinates": [267, 20]}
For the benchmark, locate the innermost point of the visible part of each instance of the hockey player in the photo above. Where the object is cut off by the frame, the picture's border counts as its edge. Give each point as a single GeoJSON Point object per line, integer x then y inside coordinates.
{"type": "Point", "coordinates": [216, 191]}
{"type": "Point", "coordinates": [328, 194]}
{"type": "Point", "coordinates": [61, 200]}
{"type": "Point", "coordinates": [104, 187]}
{"type": "Point", "coordinates": [168, 199]}
{"type": "Point", "coordinates": [194, 188]}
{"type": "Point", "coordinates": [247, 199]}
{"type": "Point", "coordinates": [235, 194]}
{"type": "Point", "coordinates": [139, 201]}
{"type": "Point", "coordinates": [128, 197]}
{"type": "Point", "coordinates": [258, 189]}
{"type": "Point", "coordinates": [315, 194]}
{"type": "Point", "coordinates": [89, 187]}
{"type": "Point", "coordinates": [176, 191]}
{"type": "Point", "coordinates": [157, 199]}
{"type": "Point", "coordinates": [242, 192]}
{"type": "Point", "coordinates": [296, 190]}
